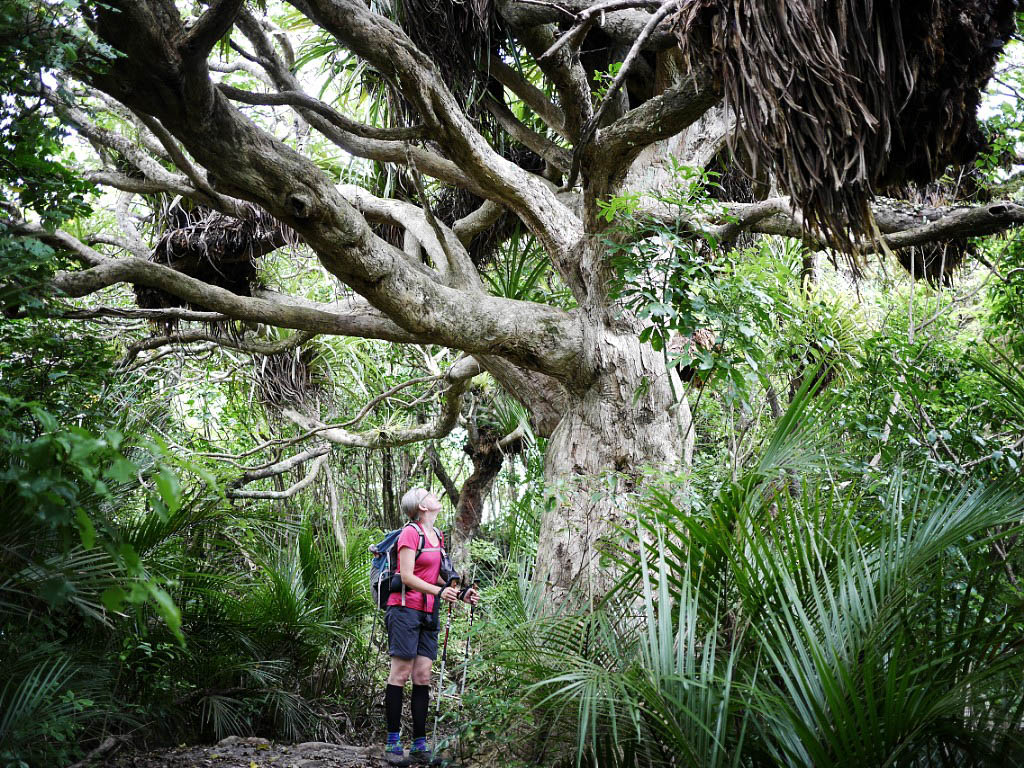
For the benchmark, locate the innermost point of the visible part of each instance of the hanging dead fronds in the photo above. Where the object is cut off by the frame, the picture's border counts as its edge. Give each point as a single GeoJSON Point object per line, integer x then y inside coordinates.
{"type": "Point", "coordinates": [844, 99]}
{"type": "Point", "coordinates": [938, 262]}
{"type": "Point", "coordinates": [286, 380]}
{"type": "Point", "coordinates": [457, 36]}
{"type": "Point", "coordinates": [733, 179]}
{"type": "Point", "coordinates": [212, 247]}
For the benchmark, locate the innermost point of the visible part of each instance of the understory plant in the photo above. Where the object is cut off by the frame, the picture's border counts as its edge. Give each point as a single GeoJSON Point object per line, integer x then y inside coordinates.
{"type": "Point", "coordinates": [798, 619]}
{"type": "Point", "coordinates": [138, 602]}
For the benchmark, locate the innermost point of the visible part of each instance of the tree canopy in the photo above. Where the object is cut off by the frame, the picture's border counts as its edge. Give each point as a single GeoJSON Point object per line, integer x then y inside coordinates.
{"type": "Point", "coordinates": [711, 305]}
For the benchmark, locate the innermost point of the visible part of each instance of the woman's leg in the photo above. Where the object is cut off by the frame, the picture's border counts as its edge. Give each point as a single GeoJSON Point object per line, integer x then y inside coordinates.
{"type": "Point", "coordinates": [421, 667]}
{"type": "Point", "coordinates": [420, 695]}
{"type": "Point", "coordinates": [400, 671]}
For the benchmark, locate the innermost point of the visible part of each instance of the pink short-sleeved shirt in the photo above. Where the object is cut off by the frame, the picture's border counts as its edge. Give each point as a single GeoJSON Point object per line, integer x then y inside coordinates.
{"type": "Point", "coordinates": [428, 567]}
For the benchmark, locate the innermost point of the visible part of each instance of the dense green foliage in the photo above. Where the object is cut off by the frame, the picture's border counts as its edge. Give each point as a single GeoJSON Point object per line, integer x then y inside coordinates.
{"type": "Point", "coordinates": [818, 570]}
{"type": "Point", "coordinates": [835, 580]}
{"type": "Point", "coordinates": [792, 593]}
{"type": "Point", "coordinates": [822, 622]}
{"type": "Point", "coordinates": [146, 599]}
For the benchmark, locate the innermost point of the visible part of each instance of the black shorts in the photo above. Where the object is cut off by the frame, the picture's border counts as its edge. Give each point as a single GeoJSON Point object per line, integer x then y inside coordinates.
{"type": "Point", "coordinates": [411, 633]}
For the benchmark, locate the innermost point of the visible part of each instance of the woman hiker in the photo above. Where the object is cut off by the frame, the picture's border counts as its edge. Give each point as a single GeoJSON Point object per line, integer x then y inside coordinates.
{"type": "Point", "coordinates": [412, 624]}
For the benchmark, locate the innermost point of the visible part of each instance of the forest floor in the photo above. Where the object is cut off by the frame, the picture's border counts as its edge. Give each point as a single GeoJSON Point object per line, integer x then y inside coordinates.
{"type": "Point", "coordinates": [253, 752]}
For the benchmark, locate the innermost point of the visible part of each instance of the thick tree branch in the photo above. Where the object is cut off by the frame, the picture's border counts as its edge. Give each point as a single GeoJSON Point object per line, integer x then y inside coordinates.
{"type": "Point", "coordinates": [210, 28]}
{"type": "Point", "coordinates": [661, 117]}
{"type": "Point", "coordinates": [240, 65]}
{"type": "Point", "coordinates": [475, 222]}
{"type": "Point", "coordinates": [383, 151]}
{"type": "Point", "coordinates": [174, 185]}
{"type": "Point", "coordinates": [451, 257]}
{"type": "Point", "coordinates": [667, 6]}
{"type": "Point", "coordinates": [135, 249]}
{"type": "Point", "coordinates": [57, 239]}
{"type": "Point", "coordinates": [565, 72]}
{"type": "Point", "coordinates": [350, 318]}
{"type": "Point", "coordinates": [750, 216]}
{"type": "Point", "coordinates": [586, 18]}
{"type": "Point", "coordinates": [157, 178]}
{"type": "Point", "coordinates": [300, 99]}
{"type": "Point", "coordinates": [960, 222]}
{"type": "Point", "coordinates": [280, 467]}
{"type": "Point", "coordinates": [365, 324]}
{"type": "Point", "coordinates": [544, 397]}
{"type": "Point", "coordinates": [197, 177]}
{"type": "Point", "coordinates": [149, 166]}
{"type": "Point", "coordinates": [171, 313]}
{"type": "Point", "coordinates": [356, 319]}
{"type": "Point", "coordinates": [902, 225]}
{"type": "Point", "coordinates": [531, 95]}
{"type": "Point", "coordinates": [623, 26]}
{"type": "Point", "coordinates": [249, 163]}
{"type": "Point", "coordinates": [248, 345]}
{"type": "Point", "coordinates": [389, 49]}
{"type": "Point", "coordinates": [541, 145]}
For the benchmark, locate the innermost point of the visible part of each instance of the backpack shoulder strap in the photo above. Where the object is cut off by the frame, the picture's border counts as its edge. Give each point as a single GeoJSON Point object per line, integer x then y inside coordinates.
{"type": "Point", "coordinates": [423, 539]}
{"type": "Point", "coordinates": [419, 549]}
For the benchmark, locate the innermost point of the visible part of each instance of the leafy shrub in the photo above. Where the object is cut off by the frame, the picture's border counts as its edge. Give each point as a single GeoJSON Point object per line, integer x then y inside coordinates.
{"type": "Point", "coordinates": [782, 626]}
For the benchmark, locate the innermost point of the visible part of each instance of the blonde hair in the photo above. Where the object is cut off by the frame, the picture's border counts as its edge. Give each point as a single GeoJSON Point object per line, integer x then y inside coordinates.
{"type": "Point", "coordinates": [410, 503]}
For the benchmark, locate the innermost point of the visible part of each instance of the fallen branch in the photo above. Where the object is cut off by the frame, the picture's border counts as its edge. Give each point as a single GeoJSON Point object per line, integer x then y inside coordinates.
{"type": "Point", "coordinates": [106, 747]}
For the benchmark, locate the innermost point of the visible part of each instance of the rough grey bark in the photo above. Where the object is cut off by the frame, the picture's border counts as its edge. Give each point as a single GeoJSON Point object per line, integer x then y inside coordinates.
{"type": "Point", "coordinates": [619, 426]}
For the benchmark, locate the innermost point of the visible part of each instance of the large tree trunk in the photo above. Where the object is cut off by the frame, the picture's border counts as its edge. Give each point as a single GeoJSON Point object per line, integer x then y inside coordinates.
{"type": "Point", "coordinates": [611, 433]}
{"type": "Point", "coordinates": [628, 417]}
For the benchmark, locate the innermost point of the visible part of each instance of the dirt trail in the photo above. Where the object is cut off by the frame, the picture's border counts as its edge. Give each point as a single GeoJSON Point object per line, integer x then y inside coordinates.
{"type": "Point", "coordinates": [253, 752]}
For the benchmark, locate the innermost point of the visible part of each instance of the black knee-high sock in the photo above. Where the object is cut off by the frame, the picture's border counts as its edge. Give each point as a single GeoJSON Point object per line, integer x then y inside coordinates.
{"type": "Point", "coordinates": [393, 707]}
{"type": "Point", "coordinates": [420, 703]}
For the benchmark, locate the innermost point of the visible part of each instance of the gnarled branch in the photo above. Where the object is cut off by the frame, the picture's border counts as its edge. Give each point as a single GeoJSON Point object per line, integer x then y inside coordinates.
{"type": "Point", "coordinates": [210, 28]}
{"type": "Point", "coordinates": [389, 49]}
{"type": "Point", "coordinates": [247, 162]}
{"type": "Point", "coordinates": [458, 378]}
{"type": "Point", "coordinates": [300, 99]}
{"type": "Point", "coordinates": [249, 345]}
{"type": "Point", "coordinates": [288, 493]}
{"type": "Point", "coordinates": [280, 467]}
{"type": "Point", "coordinates": [531, 95]}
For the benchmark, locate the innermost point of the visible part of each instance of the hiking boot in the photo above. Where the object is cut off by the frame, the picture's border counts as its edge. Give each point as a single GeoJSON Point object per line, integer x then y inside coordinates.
{"type": "Point", "coordinates": [395, 755]}
{"type": "Point", "coordinates": [423, 757]}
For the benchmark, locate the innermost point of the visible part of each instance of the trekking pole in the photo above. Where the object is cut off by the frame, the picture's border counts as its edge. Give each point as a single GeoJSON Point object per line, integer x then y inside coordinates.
{"type": "Point", "coordinates": [444, 659]}
{"type": "Point", "coordinates": [469, 634]}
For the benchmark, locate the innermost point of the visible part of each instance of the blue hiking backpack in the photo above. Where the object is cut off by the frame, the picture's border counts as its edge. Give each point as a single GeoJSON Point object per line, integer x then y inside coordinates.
{"type": "Point", "coordinates": [385, 563]}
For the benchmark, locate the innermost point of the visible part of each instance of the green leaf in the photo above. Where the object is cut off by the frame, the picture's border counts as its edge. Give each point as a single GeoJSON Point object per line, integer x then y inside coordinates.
{"type": "Point", "coordinates": [168, 611]}
{"type": "Point", "coordinates": [169, 487]}
{"type": "Point", "coordinates": [86, 529]}
{"type": "Point", "coordinates": [113, 598]}
{"type": "Point", "coordinates": [121, 470]}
